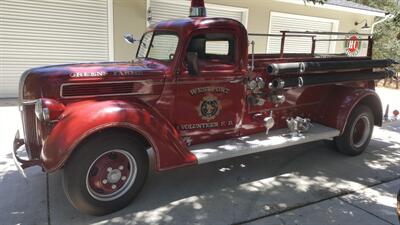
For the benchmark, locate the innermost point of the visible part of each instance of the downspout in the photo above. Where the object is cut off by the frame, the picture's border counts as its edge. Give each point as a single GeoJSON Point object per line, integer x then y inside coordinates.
{"type": "Point", "coordinates": [387, 17]}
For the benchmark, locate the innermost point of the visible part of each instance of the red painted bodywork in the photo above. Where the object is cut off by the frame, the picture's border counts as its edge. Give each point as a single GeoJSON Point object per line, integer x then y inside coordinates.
{"type": "Point", "coordinates": [159, 104]}
{"type": "Point", "coordinates": [197, 3]}
{"type": "Point", "coordinates": [100, 115]}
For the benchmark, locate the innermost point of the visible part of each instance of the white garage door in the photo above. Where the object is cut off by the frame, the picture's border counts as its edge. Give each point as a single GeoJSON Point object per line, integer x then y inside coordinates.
{"type": "Point", "coordinates": [167, 10]}
{"type": "Point", "coordinates": [290, 22]}
{"type": "Point", "coordinates": [46, 32]}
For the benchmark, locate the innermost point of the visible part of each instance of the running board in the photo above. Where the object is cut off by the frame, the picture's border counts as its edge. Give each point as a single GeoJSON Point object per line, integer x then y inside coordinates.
{"type": "Point", "coordinates": [260, 142]}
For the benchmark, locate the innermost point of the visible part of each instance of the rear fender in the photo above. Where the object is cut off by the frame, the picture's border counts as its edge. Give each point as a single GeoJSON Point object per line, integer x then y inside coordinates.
{"type": "Point", "coordinates": [338, 106]}
{"type": "Point", "coordinates": [81, 120]}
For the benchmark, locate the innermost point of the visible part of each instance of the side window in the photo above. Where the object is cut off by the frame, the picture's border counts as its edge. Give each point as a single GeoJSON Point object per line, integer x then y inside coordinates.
{"type": "Point", "coordinates": [217, 47]}
{"type": "Point", "coordinates": [213, 48]}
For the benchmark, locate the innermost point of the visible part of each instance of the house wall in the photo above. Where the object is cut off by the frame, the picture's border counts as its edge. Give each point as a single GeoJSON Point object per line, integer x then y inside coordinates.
{"type": "Point", "coordinates": [130, 16]}
{"type": "Point", "coordinates": [259, 14]}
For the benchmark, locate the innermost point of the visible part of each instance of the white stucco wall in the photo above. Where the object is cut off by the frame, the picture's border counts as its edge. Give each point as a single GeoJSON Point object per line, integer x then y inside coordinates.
{"type": "Point", "coordinates": [129, 17]}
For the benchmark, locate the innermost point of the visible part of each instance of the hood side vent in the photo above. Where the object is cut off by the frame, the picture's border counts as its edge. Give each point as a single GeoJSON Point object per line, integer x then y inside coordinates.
{"type": "Point", "coordinates": [76, 90]}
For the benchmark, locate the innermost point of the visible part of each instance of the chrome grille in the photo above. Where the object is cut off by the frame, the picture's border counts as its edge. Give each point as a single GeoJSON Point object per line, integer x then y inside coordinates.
{"type": "Point", "coordinates": [29, 124]}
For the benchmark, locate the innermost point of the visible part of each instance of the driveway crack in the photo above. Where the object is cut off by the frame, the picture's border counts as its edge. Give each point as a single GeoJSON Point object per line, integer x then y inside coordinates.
{"type": "Point", "coordinates": [344, 193]}
{"type": "Point", "coordinates": [364, 210]}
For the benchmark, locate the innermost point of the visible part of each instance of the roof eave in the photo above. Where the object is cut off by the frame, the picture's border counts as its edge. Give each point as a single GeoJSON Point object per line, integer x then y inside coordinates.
{"type": "Point", "coordinates": [354, 10]}
{"type": "Point", "coordinates": [337, 8]}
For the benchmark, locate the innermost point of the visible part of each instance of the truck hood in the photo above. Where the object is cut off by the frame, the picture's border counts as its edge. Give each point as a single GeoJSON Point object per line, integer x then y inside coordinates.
{"type": "Point", "coordinates": [103, 69]}
{"type": "Point", "coordinates": [46, 81]}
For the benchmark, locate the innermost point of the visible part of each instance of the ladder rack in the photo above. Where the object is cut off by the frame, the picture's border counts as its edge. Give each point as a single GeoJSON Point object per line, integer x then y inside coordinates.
{"type": "Point", "coordinates": [313, 37]}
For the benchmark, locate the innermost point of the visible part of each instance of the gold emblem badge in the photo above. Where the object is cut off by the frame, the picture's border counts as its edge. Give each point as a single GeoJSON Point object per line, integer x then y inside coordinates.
{"type": "Point", "coordinates": [209, 108]}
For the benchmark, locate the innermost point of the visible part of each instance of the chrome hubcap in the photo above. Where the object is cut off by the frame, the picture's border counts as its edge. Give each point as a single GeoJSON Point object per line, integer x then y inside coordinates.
{"type": "Point", "coordinates": [114, 176]}
{"type": "Point", "coordinates": [360, 131]}
{"type": "Point", "coordinates": [111, 175]}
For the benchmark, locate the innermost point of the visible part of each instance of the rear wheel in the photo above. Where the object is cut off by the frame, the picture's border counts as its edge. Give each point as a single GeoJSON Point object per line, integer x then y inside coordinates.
{"type": "Point", "coordinates": [358, 132]}
{"type": "Point", "coordinates": [105, 174]}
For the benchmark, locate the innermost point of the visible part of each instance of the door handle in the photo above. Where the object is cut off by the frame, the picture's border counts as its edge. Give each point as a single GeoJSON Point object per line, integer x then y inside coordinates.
{"type": "Point", "coordinates": [236, 81]}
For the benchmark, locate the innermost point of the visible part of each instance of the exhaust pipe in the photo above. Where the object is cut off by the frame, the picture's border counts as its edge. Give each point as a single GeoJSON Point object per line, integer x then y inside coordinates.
{"type": "Point", "coordinates": [198, 9]}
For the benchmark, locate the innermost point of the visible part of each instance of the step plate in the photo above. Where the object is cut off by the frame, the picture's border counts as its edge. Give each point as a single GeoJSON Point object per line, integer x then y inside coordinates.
{"type": "Point", "coordinates": [245, 145]}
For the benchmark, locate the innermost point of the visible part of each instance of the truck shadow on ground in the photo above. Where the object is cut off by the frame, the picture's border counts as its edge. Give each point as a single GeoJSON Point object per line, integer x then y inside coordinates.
{"type": "Point", "coordinates": [245, 188]}
{"type": "Point", "coordinates": [23, 201]}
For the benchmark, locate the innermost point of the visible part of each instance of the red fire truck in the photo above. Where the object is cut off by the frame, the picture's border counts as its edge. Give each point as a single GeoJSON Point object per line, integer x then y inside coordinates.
{"type": "Point", "coordinates": [181, 103]}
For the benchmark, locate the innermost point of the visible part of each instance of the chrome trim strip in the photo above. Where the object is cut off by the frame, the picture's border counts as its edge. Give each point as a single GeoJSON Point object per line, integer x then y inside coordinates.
{"type": "Point", "coordinates": [103, 95]}
{"type": "Point", "coordinates": [112, 82]}
{"type": "Point", "coordinates": [29, 102]}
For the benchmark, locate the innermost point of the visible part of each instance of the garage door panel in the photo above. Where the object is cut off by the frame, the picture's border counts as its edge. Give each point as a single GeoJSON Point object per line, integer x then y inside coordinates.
{"type": "Point", "coordinates": [44, 32]}
{"type": "Point", "coordinates": [289, 22]}
{"type": "Point", "coordinates": [59, 5]}
{"type": "Point", "coordinates": [161, 10]}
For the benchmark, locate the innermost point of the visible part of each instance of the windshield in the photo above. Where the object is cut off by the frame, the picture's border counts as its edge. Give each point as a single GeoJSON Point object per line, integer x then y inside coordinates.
{"type": "Point", "coordinates": [161, 46]}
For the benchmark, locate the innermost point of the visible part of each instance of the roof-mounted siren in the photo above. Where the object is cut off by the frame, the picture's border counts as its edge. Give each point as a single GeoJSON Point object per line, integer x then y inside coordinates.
{"type": "Point", "coordinates": [198, 9]}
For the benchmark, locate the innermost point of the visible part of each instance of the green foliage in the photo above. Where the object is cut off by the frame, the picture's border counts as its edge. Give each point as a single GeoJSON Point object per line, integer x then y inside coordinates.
{"type": "Point", "coordinates": [386, 34]}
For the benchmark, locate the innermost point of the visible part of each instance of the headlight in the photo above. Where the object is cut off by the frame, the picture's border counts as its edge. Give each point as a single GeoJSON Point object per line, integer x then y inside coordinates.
{"type": "Point", "coordinates": [43, 114]}
{"type": "Point", "coordinates": [48, 109]}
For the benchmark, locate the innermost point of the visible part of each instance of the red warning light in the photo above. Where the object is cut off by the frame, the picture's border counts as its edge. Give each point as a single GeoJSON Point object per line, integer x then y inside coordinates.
{"type": "Point", "coordinates": [198, 3]}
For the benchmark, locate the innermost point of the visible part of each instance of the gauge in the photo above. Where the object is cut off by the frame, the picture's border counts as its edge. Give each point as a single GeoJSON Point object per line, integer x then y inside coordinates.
{"type": "Point", "coordinates": [253, 84]}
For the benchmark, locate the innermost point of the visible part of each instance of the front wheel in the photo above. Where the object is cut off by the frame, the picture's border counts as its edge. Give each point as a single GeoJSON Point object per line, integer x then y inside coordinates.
{"type": "Point", "coordinates": [358, 132]}
{"type": "Point", "coordinates": [105, 174]}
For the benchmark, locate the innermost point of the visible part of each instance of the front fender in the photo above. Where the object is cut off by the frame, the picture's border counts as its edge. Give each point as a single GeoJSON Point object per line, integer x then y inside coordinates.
{"type": "Point", "coordinates": [82, 119]}
{"type": "Point", "coordinates": [338, 106]}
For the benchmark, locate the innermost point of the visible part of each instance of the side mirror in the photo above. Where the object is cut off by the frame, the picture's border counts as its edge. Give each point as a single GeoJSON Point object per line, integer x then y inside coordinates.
{"type": "Point", "coordinates": [193, 63]}
{"type": "Point", "coordinates": [129, 38]}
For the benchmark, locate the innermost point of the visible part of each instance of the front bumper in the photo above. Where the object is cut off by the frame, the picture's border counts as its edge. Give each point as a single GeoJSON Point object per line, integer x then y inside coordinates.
{"type": "Point", "coordinates": [18, 146]}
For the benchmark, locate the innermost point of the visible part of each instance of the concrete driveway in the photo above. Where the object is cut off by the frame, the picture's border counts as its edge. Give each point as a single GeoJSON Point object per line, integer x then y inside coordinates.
{"type": "Point", "coordinates": [308, 184]}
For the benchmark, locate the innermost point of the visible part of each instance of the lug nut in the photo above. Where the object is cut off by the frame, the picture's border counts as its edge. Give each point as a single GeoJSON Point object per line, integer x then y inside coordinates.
{"type": "Point", "coordinates": [121, 167]}
{"type": "Point", "coordinates": [123, 178]}
{"type": "Point", "coordinates": [109, 169]}
{"type": "Point", "coordinates": [105, 181]}
{"type": "Point", "coordinates": [114, 186]}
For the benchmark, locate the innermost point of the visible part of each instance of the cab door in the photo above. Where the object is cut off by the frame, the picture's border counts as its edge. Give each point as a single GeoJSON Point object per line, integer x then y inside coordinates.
{"type": "Point", "coordinates": [210, 90]}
